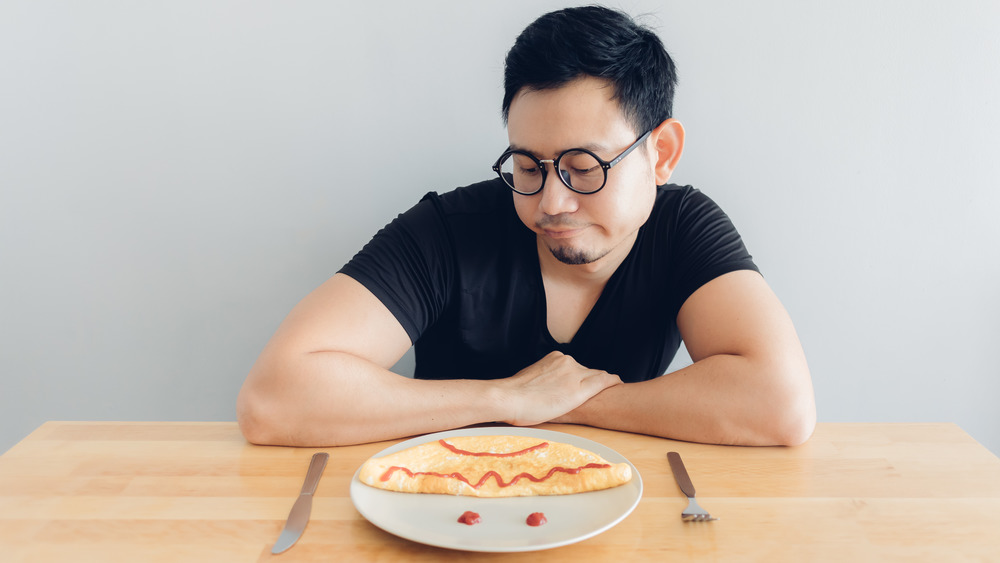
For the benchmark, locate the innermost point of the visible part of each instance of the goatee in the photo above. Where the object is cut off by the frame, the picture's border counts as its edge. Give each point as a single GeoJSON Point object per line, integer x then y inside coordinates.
{"type": "Point", "coordinates": [574, 256]}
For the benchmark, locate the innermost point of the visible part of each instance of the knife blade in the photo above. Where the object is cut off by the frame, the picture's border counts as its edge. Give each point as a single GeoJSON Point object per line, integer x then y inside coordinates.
{"type": "Point", "coordinates": [298, 517]}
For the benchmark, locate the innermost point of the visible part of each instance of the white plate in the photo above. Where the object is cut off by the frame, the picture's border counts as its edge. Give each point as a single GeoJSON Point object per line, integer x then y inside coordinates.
{"type": "Point", "coordinates": [433, 519]}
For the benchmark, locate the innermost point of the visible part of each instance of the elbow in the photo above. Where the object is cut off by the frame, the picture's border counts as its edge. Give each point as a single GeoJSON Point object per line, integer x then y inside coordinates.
{"type": "Point", "coordinates": [795, 427]}
{"type": "Point", "coordinates": [280, 412]}
{"type": "Point", "coordinates": [794, 416]}
{"type": "Point", "coordinates": [258, 414]}
{"type": "Point", "coordinates": [784, 425]}
{"type": "Point", "coordinates": [781, 409]}
{"type": "Point", "coordinates": [251, 419]}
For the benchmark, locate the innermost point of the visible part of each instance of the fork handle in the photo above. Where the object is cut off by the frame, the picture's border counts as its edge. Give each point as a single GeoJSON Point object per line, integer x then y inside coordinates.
{"type": "Point", "coordinates": [680, 473]}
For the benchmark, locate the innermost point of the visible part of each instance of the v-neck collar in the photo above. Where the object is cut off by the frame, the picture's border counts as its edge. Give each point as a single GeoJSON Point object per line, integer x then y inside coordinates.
{"type": "Point", "coordinates": [595, 311]}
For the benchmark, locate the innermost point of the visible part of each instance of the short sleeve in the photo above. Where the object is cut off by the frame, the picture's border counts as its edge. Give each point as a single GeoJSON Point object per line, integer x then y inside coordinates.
{"type": "Point", "coordinates": [409, 266]}
{"type": "Point", "coordinates": [705, 245]}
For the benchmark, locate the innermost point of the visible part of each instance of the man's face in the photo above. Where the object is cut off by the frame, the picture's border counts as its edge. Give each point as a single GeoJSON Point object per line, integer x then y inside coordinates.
{"type": "Point", "coordinates": [577, 228]}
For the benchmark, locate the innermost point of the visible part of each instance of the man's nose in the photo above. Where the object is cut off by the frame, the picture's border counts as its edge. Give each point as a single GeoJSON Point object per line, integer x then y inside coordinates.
{"type": "Point", "coordinates": [556, 197]}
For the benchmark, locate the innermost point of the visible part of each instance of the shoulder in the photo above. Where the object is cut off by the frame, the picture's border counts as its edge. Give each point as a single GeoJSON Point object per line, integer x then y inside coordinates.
{"type": "Point", "coordinates": [475, 215]}
{"type": "Point", "coordinates": [481, 198]}
{"type": "Point", "coordinates": [684, 209]}
{"type": "Point", "coordinates": [672, 198]}
{"type": "Point", "coordinates": [438, 215]}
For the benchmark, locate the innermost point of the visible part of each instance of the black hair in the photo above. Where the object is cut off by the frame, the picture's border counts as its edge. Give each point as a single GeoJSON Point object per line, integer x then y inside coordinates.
{"type": "Point", "coordinates": [564, 45]}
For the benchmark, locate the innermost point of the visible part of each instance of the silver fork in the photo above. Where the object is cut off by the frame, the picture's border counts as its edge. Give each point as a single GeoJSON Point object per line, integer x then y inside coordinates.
{"type": "Point", "coordinates": [694, 512]}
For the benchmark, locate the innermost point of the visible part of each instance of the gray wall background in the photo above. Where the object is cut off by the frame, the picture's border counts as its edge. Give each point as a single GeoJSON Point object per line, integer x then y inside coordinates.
{"type": "Point", "coordinates": [175, 176]}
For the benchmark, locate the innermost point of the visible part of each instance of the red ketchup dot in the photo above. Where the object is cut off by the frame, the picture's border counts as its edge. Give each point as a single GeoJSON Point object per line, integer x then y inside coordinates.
{"type": "Point", "coordinates": [536, 519]}
{"type": "Point", "coordinates": [469, 518]}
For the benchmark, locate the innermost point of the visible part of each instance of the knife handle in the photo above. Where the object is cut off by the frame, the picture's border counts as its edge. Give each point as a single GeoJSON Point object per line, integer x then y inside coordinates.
{"type": "Point", "coordinates": [316, 467]}
{"type": "Point", "coordinates": [680, 474]}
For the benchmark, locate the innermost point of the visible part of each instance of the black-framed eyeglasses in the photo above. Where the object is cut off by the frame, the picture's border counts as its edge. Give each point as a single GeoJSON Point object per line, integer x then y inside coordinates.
{"type": "Point", "coordinates": [579, 169]}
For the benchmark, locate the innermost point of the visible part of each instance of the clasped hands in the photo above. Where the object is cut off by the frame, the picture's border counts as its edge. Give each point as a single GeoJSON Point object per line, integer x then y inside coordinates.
{"type": "Point", "coordinates": [552, 387]}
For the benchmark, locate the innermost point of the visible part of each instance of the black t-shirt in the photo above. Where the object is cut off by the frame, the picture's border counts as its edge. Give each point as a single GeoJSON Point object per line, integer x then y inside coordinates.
{"type": "Point", "coordinates": [460, 273]}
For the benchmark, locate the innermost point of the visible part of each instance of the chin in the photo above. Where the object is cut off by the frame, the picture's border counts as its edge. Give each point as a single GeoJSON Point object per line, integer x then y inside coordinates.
{"type": "Point", "coordinates": [575, 256]}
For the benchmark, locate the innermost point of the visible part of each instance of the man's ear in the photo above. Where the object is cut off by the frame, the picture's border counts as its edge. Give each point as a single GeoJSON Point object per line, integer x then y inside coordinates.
{"type": "Point", "coordinates": [668, 144]}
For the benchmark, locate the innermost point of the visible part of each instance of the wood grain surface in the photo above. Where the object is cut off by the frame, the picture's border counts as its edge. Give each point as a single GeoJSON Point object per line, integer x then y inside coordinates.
{"type": "Point", "coordinates": [197, 491]}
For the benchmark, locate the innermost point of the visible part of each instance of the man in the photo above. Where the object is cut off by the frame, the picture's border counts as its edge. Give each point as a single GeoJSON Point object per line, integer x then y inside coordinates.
{"type": "Point", "coordinates": [557, 292]}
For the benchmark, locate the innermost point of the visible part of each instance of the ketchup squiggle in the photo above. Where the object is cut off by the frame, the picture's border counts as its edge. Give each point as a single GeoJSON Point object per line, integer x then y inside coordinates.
{"type": "Point", "coordinates": [491, 454]}
{"type": "Point", "coordinates": [573, 471]}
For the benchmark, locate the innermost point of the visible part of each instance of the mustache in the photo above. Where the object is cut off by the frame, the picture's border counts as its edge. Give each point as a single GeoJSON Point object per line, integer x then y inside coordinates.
{"type": "Point", "coordinates": [561, 221]}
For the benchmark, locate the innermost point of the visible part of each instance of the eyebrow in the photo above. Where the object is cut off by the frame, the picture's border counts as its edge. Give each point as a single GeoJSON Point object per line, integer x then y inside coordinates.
{"type": "Point", "coordinates": [592, 147]}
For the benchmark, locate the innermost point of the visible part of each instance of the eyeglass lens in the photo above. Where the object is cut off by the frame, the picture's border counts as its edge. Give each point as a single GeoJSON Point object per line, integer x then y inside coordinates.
{"type": "Point", "coordinates": [578, 169]}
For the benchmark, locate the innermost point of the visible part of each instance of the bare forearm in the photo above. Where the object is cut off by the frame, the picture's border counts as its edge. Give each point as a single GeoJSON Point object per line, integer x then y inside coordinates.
{"type": "Point", "coordinates": [723, 399]}
{"type": "Point", "coordinates": [332, 398]}
{"type": "Point", "coordinates": [335, 398]}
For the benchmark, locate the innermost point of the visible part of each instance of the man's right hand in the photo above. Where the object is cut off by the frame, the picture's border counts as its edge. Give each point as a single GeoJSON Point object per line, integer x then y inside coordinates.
{"type": "Point", "coordinates": [551, 387]}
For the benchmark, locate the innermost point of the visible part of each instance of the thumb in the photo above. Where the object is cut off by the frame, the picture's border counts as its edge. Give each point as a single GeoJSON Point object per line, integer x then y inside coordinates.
{"type": "Point", "coordinates": [600, 380]}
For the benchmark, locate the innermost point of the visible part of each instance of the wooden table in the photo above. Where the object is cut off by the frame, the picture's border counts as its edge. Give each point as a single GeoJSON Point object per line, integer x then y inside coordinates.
{"type": "Point", "coordinates": [140, 492]}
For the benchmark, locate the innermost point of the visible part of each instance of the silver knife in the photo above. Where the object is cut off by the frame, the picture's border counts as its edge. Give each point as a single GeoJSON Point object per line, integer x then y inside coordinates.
{"type": "Point", "coordinates": [299, 515]}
